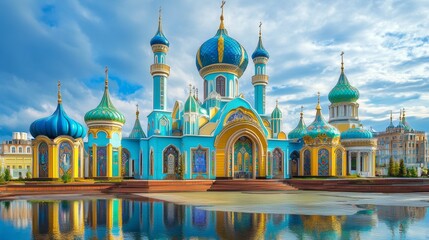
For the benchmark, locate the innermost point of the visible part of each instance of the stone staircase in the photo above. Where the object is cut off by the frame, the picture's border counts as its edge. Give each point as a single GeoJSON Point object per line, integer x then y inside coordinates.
{"type": "Point", "coordinates": [145, 186]}
{"type": "Point", "coordinates": [251, 185]}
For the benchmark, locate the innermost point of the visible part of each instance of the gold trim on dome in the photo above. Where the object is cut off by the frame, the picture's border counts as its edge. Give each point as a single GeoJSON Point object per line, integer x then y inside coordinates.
{"type": "Point", "coordinates": [260, 60]}
{"type": "Point", "coordinates": [359, 143]}
{"type": "Point", "coordinates": [199, 58]}
{"type": "Point", "coordinates": [242, 55]}
{"type": "Point", "coordinates": [158, 68]}
{"type": "Point", "coordinates": [159, 48]}
{"type": "Point", "coordinates": [220, 48]}
{"type": "Point", "coordinates": [260, 79]}
{"type": "Point", "coordinates": [221, 67]}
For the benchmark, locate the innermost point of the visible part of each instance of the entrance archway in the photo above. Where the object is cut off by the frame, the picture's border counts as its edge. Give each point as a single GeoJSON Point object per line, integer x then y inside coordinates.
{"type": "Point", "coordinates": [294, 169]}
{"type": "Point", "coordinates": [234, 159]}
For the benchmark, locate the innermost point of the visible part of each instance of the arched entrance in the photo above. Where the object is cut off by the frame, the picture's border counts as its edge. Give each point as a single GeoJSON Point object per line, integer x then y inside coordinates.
{"type": "Point", "coordinates": [241, 149]}
{"type": "Point", "coordinates": [294, 156]}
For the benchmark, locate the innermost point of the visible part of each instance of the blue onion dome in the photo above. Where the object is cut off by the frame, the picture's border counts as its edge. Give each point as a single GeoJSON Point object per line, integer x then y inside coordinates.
{"type": "Point", "coordinates": [105, 111]}
{"type": "Point", "coordinates": [159, 37]}
{"type": "Point", "coordinates": [277, 113]}
{"type": "Point", "coordinates": [222, 49]}
{"type": "Point", "coordinates": [320, 127]}
{"type": "Point", "coordinates": [260, 50]}
{"type": "Point", "coordinates": [191, 104]}
{"type": "Point", "coordinates": [137, 131]}
{"type": "Point", "coordinates": [301, 129]}
{"type": "Point", "coordinates": [356, 133]}
{"type": "Point", "coordinates": [343, 91]}
{"type": "Point", "coordinates": [58, 124]}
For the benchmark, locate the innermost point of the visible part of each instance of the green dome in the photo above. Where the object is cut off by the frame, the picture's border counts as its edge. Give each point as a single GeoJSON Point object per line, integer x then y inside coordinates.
{"type": "Point", "coordinates": [343, 91]}
{"type": "Point", "coordinates": [191, 105]}
{"type": "Point", "coordinates": [105, 111]}
{"type": "Point", "coordinates": [137, 131]}
{"type": "Point", "coordinates": [356, 133]}
{"type": "Point", "coordinates": [277, 113]}
{"type": "Point", "coordinates": [299, 131]}
{"type": "Point", "coordinates": [320, 127]}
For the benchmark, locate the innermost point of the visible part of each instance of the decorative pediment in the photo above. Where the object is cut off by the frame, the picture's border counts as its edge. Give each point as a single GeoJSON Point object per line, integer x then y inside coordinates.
{"type": "Point", "coordinates": [239, 116]}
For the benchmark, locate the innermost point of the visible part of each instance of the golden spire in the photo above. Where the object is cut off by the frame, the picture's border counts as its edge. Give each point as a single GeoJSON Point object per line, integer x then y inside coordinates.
{"type": "Point", "coordinates": [302, 111]}
{"type": "Point", "coordinates": [277, 102]}
{"type": "Point", "coordinates": [260, 29]}
{"type": "Point", "coordinates": [318, 102]}
{"type": "Point", "coordinates": [221, 16]}
{"type": "Point", "coordinates": [190, 89]}
{"type": "Point", "coordinates": [391, 116]}
{"type": "Point", "coordinates": [59, 92]}
{"type": "Point", "coordinates": [403, 114]}
{"type": "Point", "coordinates": [160, 20]}
{"type": "Point", "coordinates": [137, 111]}
{"type": "Point", "coordinates": [400, 114]}
{"type": "Point", "coordinates": [106, 80]}
{"type": "Point", "coordinates": [342, 61]}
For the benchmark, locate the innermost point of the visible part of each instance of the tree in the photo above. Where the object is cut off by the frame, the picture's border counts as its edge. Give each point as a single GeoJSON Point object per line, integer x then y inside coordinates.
{"type": "Point", "coordinates": [7, 176]}
{"type": "Point", "coordinates": [28, 176]}
{"type": "Point", "coordinates": [391, 169]}
{"type": "Point", "coordinates": [402, 169]}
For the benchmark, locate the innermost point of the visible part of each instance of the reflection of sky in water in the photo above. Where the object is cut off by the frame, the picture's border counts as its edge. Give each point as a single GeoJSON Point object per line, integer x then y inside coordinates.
{"type": "Point", "coordinates": [120, 218]}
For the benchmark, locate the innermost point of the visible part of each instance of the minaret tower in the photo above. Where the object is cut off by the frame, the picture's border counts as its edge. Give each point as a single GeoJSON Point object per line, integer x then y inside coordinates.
{"type": "Point", "coordinates": [260, 80]}
{"type": "Point", "coordinates": [276, 120]}
{"type": "Point", "coordinates": [343, 111]}
{"type": "Point", "coordinates": [159, 120]}
{"type": "Point", "coordinates": [159, 69]}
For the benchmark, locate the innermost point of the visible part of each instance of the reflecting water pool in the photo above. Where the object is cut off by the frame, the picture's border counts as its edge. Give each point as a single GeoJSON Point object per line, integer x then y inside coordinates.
{"type": "Point", "coordinates": [109, 217]}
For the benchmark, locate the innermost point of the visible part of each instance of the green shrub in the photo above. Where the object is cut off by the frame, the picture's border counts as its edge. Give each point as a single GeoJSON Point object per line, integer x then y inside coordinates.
{"type": "Point", "coordinates": [412, 172]}
{"type": "Point", "coordinates": [66, 178]}
{"type": "Point", "coordinates": [28, 176]}
{"type": "Point", "coordinates": [402, 170]}
{"type": "Point", "coordinates": [7, 176]}
{"type": "Point", "coordinates": [1, 177]}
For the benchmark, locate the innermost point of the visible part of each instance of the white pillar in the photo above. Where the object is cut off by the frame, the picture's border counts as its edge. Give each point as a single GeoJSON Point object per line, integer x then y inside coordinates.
{"type": "Point", "coordinates": [358, 167]}
{"type": "Point", "coordinates": [349, 166]}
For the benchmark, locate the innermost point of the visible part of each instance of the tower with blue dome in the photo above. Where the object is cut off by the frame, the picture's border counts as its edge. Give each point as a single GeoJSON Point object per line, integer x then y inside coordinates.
{"type": "Point", "coordinates": [260, 80]}
{"type": "Point", "coordinates": [58, 148]}
{"type": "Point", "coordinates": [104, 137]}
{"type": "Point", "coordinates": [159, 120]}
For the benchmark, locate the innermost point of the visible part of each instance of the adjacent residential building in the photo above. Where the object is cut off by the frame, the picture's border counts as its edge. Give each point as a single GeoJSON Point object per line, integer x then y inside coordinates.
{"type": "Point", "coordinates": [16, 155]}
{"type": "Point", "coordinates": [402, 142]}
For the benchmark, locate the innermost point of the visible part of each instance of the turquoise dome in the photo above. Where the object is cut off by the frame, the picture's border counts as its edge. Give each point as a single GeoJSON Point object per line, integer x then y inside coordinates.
{"type": "Point", "coordinates": [343, 91]}
{"type": "Point", "coordinates": [105, 111]}
{"type": "Point", "coordinates": [221, 49]}
{"type": "Point", "coordinates": [300, 131]}
{"type": "Point", "coordinates": [137, 131]}
{"type": "Point", "coordinates": [191, 105]}
{"type": "Point", "coordinates": [356, 133]}
{"type": "Point", "coordinates": [260, 50]}
{"type": "Point", "coordinates": [277, 113]}
{"type": "Point", "coordinates": [320, 127]}
{"type": "Point", "coordinates": [59, 123]}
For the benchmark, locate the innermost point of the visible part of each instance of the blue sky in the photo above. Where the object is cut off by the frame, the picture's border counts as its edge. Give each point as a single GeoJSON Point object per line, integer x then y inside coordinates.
{"type": "Point", "coordinates": [386, 45]}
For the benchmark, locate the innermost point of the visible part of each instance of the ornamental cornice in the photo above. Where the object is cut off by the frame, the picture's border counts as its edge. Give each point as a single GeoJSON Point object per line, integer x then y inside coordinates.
{"type": "Point", "coordinates": [260, 79]}
{"type": "Point", "coordinates": [260, 60]}
{"type": "Point", "coordinates": [159, 48]}
{"type": "Point", "coordinates": [221, 67]}
{"type": "Point", "coordinates": [158, 68]}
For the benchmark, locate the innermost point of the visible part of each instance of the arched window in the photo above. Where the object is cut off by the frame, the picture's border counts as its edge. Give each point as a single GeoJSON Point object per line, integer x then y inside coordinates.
{"type": "Point", "coordinates": [170, 159]}
{"type": "Point", "coordinates": [220, 85]}
{"type": "Point", "coordinates": [277, 163]}
{"type": "Point", "coordinates": [258, 71]}
{"type": "Point", "coordinates": [43, 160]}
{"type": "Point", "coordinates": [20, 149]}
{"type": "Point", "coordinates": [151, 163]}
{"type": "Point", "coordinates": [199, 161]}
{"type": "Point", "coordinates": [339, 162]}
{"type": "Point", "coordinates": [28, 149]}
{"type": "Point", "coordinates": [13, 149]}
{"type": "Point", "coordinates": [156, 59]}
{"type": "Point", "coordinates": [125, 166]}
{"type": "Point", "coordinates": [345, 110]}
{"type": "Point", "coordinates": [307, 163]}
{"type": "Point", "coordinates": [323, 162]}
{"type": "Point", "coordinates": [65, 158]}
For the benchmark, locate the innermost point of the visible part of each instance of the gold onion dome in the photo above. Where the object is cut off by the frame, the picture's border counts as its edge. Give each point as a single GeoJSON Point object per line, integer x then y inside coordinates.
{"type": "Point", "coordinates": [105, 111]}
{"type": "Point", "coordinates": [221, 49]}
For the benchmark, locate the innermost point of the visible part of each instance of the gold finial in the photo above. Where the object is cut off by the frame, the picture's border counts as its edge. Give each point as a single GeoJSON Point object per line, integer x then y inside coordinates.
{"type": "Point", "coordinates": [277, 102]}
{"type": "Point", "coordinates": [342, 61]}
{"type": "Point", "coordinates": [196, 94]}
{"type": "Point", "coordinates": [190, 89]}
{"type": "Point", "coordinates": [137, 111]}
{"type": "Point", "coordinates": [221, 15]}
{"type": "Point", "coordinates": [160, 20]}
{"type": "Point", "coordinates": [59, 92]}
{"type": "Point", "coordinates": [260, 29]}
{"type": "Point", "coordinates": [400, 114]}
{"type": "Point", "coordinates": [106, 80]}
{"type": "Point", "coordinates": [403, 113]}
{"type": "Point", "coordinates": [318, 102]}
{"type": "Point", "coordinates": [302, 111]}
{"type": "Point", "coordinates": [391, 116]}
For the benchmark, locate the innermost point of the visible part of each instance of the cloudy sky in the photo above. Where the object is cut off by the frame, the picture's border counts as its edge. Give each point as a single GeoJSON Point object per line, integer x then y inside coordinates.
{"type": "Point", "coordinates": [386, 45]}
